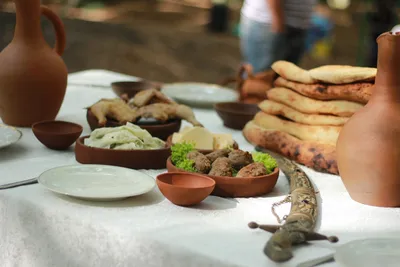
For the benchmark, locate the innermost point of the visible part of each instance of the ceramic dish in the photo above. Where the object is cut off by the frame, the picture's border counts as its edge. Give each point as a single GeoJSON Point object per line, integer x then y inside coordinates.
{"type": "Point", "coordinates": [96, 182]}
{"type": "Point", "coordinates": [131, 88]}
{"type": "Point", "coordinates": [199, 94]}
{"type": "Point", "coordinates": [369, 253]}
{"type": "Point", "coordinates": [204, 151]}
{"type": "Point", "coordinates": [8, 135]}
{"type": "Point", "coordinates": [238, 187]}
{"type": "Point", "coordinates": [156, 129]}
{"type": "Point", "coordinates": [235, 115]}
{"type": "Point", "coordinates": [134, 159]}
{"type": "Point", "coordinates": [185, 189]}
{"type": "Point", "coordinates": [58, 135]}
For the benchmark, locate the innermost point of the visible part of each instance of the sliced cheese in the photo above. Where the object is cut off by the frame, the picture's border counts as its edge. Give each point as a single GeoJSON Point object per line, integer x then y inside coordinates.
{"type": "Point", "coordinates": [222, 140]}
{"type": "Point", "coordinates": [202, 138]}
{"type": "Point", "coordinates": [176, 138]}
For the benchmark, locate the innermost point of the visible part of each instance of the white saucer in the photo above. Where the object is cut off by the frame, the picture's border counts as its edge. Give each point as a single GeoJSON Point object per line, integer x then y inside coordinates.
{"type": "Point", "coordinates": [199, 94]}
{"type": "Point", "coordinates": [96, 182]}
{"type": "Point", "coordinates": [383, 252]}
{"type": "Point", "coordinates": [8, 135]}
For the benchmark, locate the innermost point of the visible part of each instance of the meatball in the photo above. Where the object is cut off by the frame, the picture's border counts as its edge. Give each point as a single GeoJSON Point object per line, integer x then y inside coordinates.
{"type": "Point", "coordinates": [252, 170]}
{"type": "Point", "coordinates": [217, 154]}
{"type": "Point", "coordinates": [201, 162]}
{"type": "Point", "coordinates": [240, 158]}
{"type": "Point", "coordinates": [221, 167]}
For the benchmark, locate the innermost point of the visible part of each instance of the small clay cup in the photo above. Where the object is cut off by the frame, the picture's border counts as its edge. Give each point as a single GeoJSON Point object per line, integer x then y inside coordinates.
{"type": "Point", "coordinates": [57, 135]}
{"type": "Point", "coordinates": [235, 115]}
{"type": "Point", "coordinates": [204, 151]}
{"type": "Point", "coordinates": [133, 159]}
{"type": "Point", "coordinates": [185, 189]}
{"type": "Point", "coordinates": [131, 88]}
{"type": "Point", "coordinates": [160, 130]}
{"type": "Point", "coordinates": [237, 187]}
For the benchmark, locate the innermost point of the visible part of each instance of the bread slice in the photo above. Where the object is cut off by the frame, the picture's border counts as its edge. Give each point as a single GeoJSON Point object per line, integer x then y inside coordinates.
{"type": "Point", "coordinates": [342, 74]}
{"type": "Point", "coordinates": [320, 157]}
{"type": "Point", "coordinates": [292, 72]}
{"type": "Point", "coordinates": [278, 109]}
{"type": "Point", "coordinates": [308, 105]}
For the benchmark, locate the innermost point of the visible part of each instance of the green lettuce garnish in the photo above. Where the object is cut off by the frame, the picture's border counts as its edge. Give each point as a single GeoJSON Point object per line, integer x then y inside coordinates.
{"type": "Point", "coordinates": [266, 159]}
{"type": "Point", "coordinates": [179, 152]}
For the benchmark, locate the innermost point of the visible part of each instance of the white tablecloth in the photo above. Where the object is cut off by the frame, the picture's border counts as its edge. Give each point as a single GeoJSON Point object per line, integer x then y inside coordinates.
{"type": "Point", "coordinates": [40, 228]}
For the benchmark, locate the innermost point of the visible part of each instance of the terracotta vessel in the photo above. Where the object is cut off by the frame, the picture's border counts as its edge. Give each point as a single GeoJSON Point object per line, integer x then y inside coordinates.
{"type": "Point", "coordinates": [253, 88]}
{"type": "Point", "coordinates": [148, 159]}
{"type": "Point", "coordinates": [237, 187]}
{"type": "Point", "coordinates": [33, 76]}
{"type": "Point", "coordinates": [368, 147]}
{"type": "Point", "coordinates": [57, 135]}
{"type": "Point", "coordinates": [185, 189]}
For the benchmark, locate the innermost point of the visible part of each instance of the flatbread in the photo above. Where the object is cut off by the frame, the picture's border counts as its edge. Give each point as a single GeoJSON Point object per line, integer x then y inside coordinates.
{"type": "Point", "coordinates": [292, 72]}
{"type": "Point", "coordinates": [320, 157]}
{"type": "Point", "coordinates": [275, 108]}
{"type": "Point", "coordinates": [322, 134]}
{"type": "Point", "coordinates": [357, 92]}
{"type": "Point", "coordinates": [342, 74]}
{"type": "Point", "coordinates": [308, 105]}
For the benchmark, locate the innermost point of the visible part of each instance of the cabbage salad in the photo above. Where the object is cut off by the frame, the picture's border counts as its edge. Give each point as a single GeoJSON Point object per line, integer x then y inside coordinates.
{"type": "Point", "coordinates": [127, 137]}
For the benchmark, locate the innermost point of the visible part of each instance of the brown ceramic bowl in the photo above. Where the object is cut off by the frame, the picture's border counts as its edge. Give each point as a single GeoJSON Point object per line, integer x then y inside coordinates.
{"type": "Point", "coordinates": [185, 189]}
{"type": "Point", "coordinates": [58, 135]}
{"type": "Point", "coordinates": [238, 187]}
{"type": "Point", "coordinates": [235, 115]}
{"type": "Point", "coordinates": [134, 159]}
{"type": "Point", "coordinates": [204, 151]}
{"type": "Point", "coordinates": [160, 130]}
{"type": "Point", "coordinates": [131, 88]}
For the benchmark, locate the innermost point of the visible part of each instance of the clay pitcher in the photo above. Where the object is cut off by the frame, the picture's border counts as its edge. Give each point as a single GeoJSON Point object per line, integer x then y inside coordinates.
{"type": "Point", "coordinates": [253, 88]}
{"type": "Point", "coordinates": [33, 76]}
{"type": "Point", "coordinates": [368, 147]}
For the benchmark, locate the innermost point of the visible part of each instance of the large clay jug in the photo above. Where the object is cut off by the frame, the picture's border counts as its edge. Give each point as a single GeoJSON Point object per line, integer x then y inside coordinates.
{"type": "Point", "coordinates": [33, 76]}
{"type": "Point", "coordinates": [368, 147]}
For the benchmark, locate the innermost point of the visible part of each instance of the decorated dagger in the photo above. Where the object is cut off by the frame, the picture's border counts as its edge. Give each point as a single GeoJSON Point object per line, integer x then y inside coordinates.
{"type": "Point", "coordinates": [300, 222]}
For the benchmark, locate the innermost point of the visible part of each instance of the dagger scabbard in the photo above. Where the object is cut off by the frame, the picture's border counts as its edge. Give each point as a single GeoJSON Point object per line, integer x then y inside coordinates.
{"type": "Point", "coordinates": [300, 222]}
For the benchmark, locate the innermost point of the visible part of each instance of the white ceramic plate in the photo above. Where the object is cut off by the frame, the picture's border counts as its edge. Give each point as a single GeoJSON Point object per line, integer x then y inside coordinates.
{"type": "Point", "coordinates": [199, 94]}
{"type": "Point", "coordinates": [96, 182]}
{"type": "Point", "coordinates": [369, 253]}
{"type": "Point", "coordinates": [8, 135]}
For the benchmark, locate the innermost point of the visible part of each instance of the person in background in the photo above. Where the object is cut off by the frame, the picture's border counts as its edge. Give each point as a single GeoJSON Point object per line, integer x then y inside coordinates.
{"type": "Point", "coordinates": [272, 30]}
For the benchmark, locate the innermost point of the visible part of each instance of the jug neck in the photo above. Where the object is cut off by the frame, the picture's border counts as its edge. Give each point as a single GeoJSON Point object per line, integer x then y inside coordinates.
{"type": "Point", "coordinates": [28, 20]}
{"type": "Point", "coordinates": [387, 80]}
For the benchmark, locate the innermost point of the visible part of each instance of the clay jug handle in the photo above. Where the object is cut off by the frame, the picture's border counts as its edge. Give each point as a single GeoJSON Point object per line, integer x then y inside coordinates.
{"type": "Point", "coordinates": [245, 68]}
{"type": "Point", "coordinates": [58, 27]}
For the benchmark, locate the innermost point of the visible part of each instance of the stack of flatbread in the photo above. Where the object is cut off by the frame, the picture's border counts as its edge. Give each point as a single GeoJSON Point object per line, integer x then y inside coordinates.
{"type": "Point", "coordinates": [306, 109]}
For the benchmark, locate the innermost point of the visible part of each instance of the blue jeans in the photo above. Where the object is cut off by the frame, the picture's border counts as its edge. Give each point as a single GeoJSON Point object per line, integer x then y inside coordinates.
{"type": "Point", "coordinates": [260, 47]}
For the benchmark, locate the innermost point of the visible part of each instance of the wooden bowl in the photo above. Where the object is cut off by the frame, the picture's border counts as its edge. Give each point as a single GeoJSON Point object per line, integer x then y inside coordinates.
{"type": "Point", "coordinates": [185, 189]}
{"type": "Point", "coordinates": [57, 135]}
{"type": "Point", "coordinates": [235, 115]}
{"type": "Point", "coordinates": [204, 151]}
{"type": "Point", "coordinates": [238, 187]}
{"type": "Point", "coordinates": [131, 88]}
{"type": "Point", "coordinates": [134, 159]}
{"type": "Point", "coordinates": [160, 130]}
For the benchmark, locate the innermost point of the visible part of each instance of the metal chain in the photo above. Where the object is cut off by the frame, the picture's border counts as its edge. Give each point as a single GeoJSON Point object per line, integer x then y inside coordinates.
{"type": "Point", "coordinates": [287, 199]}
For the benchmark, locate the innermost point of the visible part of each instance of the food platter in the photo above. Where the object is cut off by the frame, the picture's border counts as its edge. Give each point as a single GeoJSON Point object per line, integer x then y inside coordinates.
{"type": "Point", "coordinates": [237, 173]}
{"type": "Point", "coordinates": [96, 182]}
{"type": "Point", "coordinates": [134, 159]}
{"type": "Point", "coordinates": [8, 135]}
{"type": "Point", "coordinates": [199, 94]}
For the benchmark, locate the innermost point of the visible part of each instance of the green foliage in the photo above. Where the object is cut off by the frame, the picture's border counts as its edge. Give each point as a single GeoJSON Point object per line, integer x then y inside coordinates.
{"type": "Point", "coordinates": [266, 159]}
{"type": "Point", "coordinates": [178, 156]}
